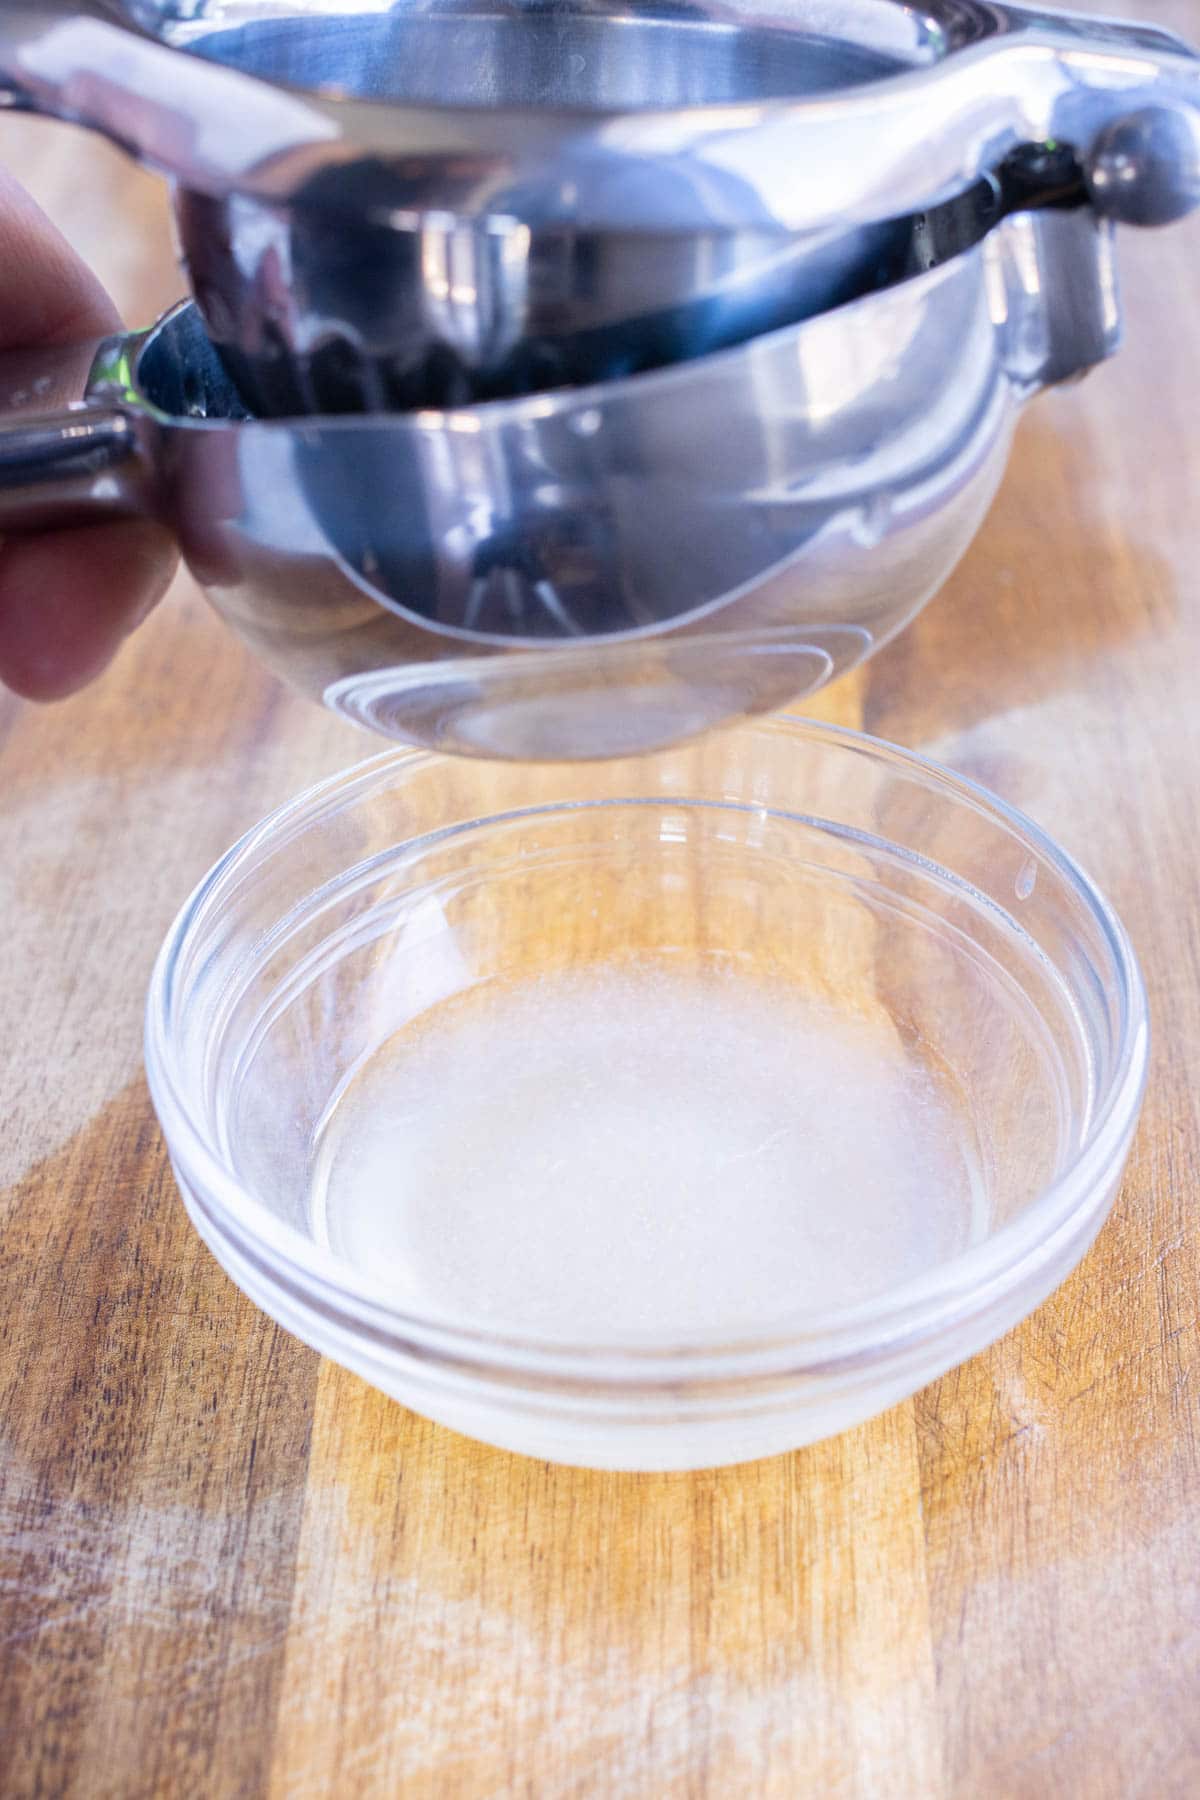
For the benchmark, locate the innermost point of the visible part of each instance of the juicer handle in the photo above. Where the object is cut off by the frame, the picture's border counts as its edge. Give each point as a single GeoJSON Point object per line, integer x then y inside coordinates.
{"type": "Point", "coordinates": [24, 28]}
{"type": "Point", "coordinates": [66, 459]}
{"type": "Point", "coordinates": [77, 467]}
{"type": "Point", "coordinates": [209, 126]}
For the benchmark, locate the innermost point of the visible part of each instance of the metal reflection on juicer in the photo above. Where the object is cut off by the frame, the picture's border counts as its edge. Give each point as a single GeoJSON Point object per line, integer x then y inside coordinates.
{"type": "Point", "coordinates": [561, 380]}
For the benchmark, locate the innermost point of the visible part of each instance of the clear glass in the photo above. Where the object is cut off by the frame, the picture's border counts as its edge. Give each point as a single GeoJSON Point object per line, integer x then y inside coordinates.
{"type": "Point", "coordinates": [860, 1051]}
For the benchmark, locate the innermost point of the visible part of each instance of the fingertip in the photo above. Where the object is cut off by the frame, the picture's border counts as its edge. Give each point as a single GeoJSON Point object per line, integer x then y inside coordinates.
{"type": "Point", "coordinates": [68, 600]}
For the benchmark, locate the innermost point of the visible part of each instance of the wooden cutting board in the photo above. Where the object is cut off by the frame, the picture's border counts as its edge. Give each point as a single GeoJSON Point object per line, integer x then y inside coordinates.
{"type": "Point", "coordinates": [228, 1568]}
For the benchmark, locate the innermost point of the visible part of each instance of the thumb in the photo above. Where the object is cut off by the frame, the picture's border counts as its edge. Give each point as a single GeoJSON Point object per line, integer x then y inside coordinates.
{"type": "Point", "coordinates": [67, 598]}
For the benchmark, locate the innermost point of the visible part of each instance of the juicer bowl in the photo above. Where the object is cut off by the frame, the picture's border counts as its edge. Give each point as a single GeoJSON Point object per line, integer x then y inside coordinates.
{"type": "Point", "coordinates": [864, 1048]}
{"type": "Point", "coordinates": [599, 570]}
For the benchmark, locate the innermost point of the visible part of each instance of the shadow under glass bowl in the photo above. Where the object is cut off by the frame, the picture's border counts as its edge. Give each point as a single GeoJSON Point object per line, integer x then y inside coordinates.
{"type": "Point", "coordinates": [652, 1114]}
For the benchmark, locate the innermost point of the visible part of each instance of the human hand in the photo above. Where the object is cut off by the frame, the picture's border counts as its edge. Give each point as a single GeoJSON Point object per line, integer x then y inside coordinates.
{"type": "Point", "coordinates": [68, 599]}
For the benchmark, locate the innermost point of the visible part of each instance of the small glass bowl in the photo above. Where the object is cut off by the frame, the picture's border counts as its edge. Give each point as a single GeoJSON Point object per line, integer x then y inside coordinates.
{"type": "Point", "coordinates": [833, 881]}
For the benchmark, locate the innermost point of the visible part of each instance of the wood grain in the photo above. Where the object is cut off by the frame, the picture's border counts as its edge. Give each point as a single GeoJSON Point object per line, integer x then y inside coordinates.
{"type": "Point", "coordinates": [229, 1569]}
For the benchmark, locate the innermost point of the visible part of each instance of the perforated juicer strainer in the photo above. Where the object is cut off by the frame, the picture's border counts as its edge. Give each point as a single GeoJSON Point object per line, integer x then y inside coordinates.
{"type": "Point", "coordinates": [763, 295]}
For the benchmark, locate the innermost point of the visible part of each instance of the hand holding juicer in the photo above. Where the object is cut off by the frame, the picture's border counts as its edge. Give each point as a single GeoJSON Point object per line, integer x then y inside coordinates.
{"type": "Point", "coordinates": [563, 380]}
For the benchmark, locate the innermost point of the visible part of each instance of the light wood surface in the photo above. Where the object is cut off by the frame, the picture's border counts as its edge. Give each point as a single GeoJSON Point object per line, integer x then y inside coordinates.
{"type": "Point", "coordinates": [227, 1568]}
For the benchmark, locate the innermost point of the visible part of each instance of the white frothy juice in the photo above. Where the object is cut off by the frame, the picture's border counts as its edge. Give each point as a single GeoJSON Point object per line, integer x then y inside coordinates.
{"type": "Point", "coordinates": [643, 1151]}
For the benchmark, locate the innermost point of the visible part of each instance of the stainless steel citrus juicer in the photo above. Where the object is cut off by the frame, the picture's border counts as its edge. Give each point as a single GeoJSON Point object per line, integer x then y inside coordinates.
{"type": "Point", "coordinates": [563, 380]}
